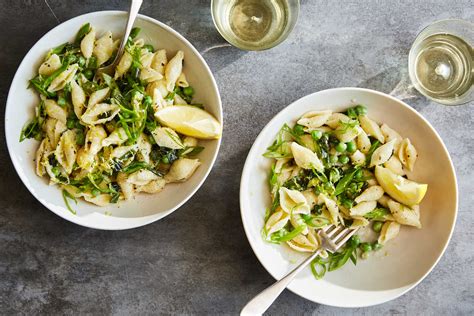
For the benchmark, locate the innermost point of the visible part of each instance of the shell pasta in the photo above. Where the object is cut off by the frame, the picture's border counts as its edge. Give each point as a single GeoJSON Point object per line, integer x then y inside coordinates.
{"type": "Point", "coordinates": [101, 140]}
{"type": "Point", "coordinates": [340, 169]}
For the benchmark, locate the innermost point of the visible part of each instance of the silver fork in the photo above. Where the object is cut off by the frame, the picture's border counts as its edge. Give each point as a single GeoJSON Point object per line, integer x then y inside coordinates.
{"type": "Point", "coordinates": [332, 238]}
{"type": "Point", "coordinates": [132, 15]}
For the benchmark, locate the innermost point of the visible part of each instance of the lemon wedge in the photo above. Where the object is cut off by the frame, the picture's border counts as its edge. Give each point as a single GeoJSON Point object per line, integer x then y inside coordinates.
{"type": "Point", "coordinates": [190, 121]}
{"type": "Point", "coordinates": [402, 190]}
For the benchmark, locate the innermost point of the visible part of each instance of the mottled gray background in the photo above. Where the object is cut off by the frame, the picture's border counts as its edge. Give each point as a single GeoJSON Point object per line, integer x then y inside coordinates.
{"type": "Point", "coordinates": [198, 260]}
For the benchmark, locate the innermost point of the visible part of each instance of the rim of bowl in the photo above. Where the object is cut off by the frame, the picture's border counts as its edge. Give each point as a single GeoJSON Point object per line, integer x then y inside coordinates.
{"type": "Point", "coordinates": [246, 171]}
{"type": "Point", "coordinates": [265, 47]}
{"type": "Point", "coordinates": [149, 218]}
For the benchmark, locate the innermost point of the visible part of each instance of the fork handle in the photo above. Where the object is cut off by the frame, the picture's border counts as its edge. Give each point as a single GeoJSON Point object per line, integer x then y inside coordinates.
{"type": "Point", "coordinates": [260, 303]}
{"type": "Point", "coordinates": [132, 15]}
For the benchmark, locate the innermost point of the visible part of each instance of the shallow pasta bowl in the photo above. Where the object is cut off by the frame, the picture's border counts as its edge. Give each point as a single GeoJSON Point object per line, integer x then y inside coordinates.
{"type": "Point", "coordinates": [404, 261]}
{"type": "Point", "coordinates": [144, 208]}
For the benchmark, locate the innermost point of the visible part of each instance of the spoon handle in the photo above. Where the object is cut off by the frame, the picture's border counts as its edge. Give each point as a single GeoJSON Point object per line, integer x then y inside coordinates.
{"type": "Point", "coordinates": [132, 15]}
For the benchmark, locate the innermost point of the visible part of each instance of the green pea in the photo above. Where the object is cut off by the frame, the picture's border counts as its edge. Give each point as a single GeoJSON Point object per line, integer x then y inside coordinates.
{"type": "Point", "coordinates": [61, 101]}
{"type": "Point", "coordinates": [147, 101]}
{"type": "Point", "coordinates": [377, 246]}
{"type": "Point", "coordinates": [351, 113]}
{"type": "Point", "coordinates": [189, 91]}
{"type": "Point", "coordinates": [343, 159]}
{"type": "Point", "coordinates": [347, 203]}
{"type": "Point", "coordinates": [355, 241]}
{"type": "Point", "coordinates": [351, 146]}
{"type": "Point", "coordinates": [316, 134]}
{"type": "Point", "coordinates": [55, 171]}
{"type": "Point", "coordinates": [341, 147]}
{"type": "Point", "coordinates": [149, 48]}
{"type": "Point", "coordinates": [333, 159]}
{"type": "Point", "coordinates": [365, 247]}
{"type": "Point", "coordinates": [92, 62]}
{"type": "Point", "coordinates": [81, 61]}
{"type": "Point", "coordinates": [70, 124]}
{"type": "Point", "coordinates": [165, 160]}
{"type": "Point", "coordinates": [359, 174]}
{"type": "Point", "coordinates": [298, 129]}
{"type": "Point", "coordinates": [71, 59]}
{"type": "Point", "coordinates": [361, 110]}
{"type": "Point", "coordinates": [95, 192]}
{"type": "Point", "coordinates": [126, 115]}
{"type": "Point", "coordinates": [377, 226]}
{"type": "Point", "coordinates": [352, 187]}
{"type": "Point", "coordinates": [80, 139]}
{"type": "Point", "coordinates": [89, 74]}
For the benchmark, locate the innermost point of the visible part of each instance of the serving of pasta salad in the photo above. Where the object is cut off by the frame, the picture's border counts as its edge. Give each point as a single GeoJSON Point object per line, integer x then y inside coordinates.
{"type": "Point", "coordinates": [340, 169]}
{"type": "Point", "coordinates": [106, 140]}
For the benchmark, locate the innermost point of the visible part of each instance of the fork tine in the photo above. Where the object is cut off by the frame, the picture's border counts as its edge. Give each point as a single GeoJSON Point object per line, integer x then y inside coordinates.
{"type": "Point", "coordinates": [341, 234]}
{"type": "Point", "coordinates": [333, 231]}
{"type": "Point", "coordinates": [346, 238]}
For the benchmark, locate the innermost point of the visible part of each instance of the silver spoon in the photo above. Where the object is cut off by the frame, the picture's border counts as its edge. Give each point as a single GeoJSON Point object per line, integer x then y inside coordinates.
{"type": "Point", "coordinates": [132, 15]}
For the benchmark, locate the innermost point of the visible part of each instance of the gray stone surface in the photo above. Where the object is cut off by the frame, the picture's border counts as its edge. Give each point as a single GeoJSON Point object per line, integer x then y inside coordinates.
{"type": "Point", "coordinates": [198, 260]}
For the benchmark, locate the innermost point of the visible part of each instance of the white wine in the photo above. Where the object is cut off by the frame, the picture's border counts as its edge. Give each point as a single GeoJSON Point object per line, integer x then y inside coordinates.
{"type": "Point", "coordinates": [252, 24]}
{"type": "Point", "coordinates": [443, 67]}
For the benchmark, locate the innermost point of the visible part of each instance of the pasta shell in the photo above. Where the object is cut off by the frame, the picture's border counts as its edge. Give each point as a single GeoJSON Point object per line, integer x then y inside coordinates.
{"type": "Point", "coordinates": [407, 154]}
{"type": "Point", "coordinates": [358, 158]}
{"type": "Point", "coordinates": [311, 198]}
{"type": "Point", "coordinates": [389, 231]}
{"type": "Point", "coordinates": [182, 81]}
{"type": "Point", "coordinates": [314, 119]}
{"type": "Point", "coordinates": [120, 151]}
{"type": "Point", "coordinates": [372, 193]}
{"type": "Point", "coordinates": [93, 144]}
{"type": "Point", "coordinates": [178, 100]}
{"type": "Point", "coordinates": [173, 69]}
{"type": "Point", "coordinates": [345, 134]}
{"type": "Point", "coordinates": [276, 221]}
{"type": "Point", "coordinates": [54, 129]}
{"type": "Point", "coordinates": [302, 244]}
{"type": "Point", "coordinates": [382, 154]}
{"type": "Point", "coordinates": [124, 65]}
{"type": "Point", "coordinates": [105, 110]}
{"type": "Point", "coordinates": [144, 149]}
{"type": "Point", "coordinates": [359, 221]}
{"type": "Point", "coordinates": [305, 158]}
{"type": "Point", "coordinates": [363, 142]}
{"type": "Point", "coordinates": [99, 200]}
{"type": "Point", "coordinates": [182, 169]}
{"type": "Point", "coordinates": [167, 137]}
{"type": "Point", "coordinates": [126, 187]}
{"type": "Point", "coordinates": [87, 44]}
{"type": "Point", "coordinates": [335, 120]}
{"type": "Point", "coordinates": [52, 64]}
{"type": "Point", "coordinates": [146, 58]}
{"type": "Point", "coordinates": [53, 110]}
{"type": "Point", "coordinates": [104, 48]}
{"type": "Point", "coordinates": [371, 128]}
{"type": "Point", "coordinates": [296, 220]}
{"type": "Point", "coordinates": [384, 200]}
{"type": "Point", "coordinates": [405, 215]}
{"type": "Point", "coordinates": [43, 150]}
{"type": "Point", "coordinates": [363, 208]}
{"type": "Point", "coordinates": [117, 137]}
{"type": "Point", "coordinates": [63, 79]}
{"type": "Point", "coordinates": [394, 165]}
{"type": "Point", "coordinates": [189, 141]}
{"type": "Point", "coordinates": [390, 135]}
{"type": "Point", "coordinates": [153, 186]}
{"type": "Point", "coordinates": [142, 177]}
{"type": "Point", "coordinates": [307, 141]}
{"type": "Point", "coordinates": [160, 85]}
{"type": "Point", "coordinates": [159, 61]}
{"type": "Point", "coordinates": [66, 150]}
{"type": "Point", "coordinates": [98, 96]}
{"type": "Point", "coordinates": [332, 208]}
{"type": "Point", "coordinates": [293, 202]}
{"type": "Point", "coordinates": [150, 75]}
{"type": "Point", "coordinates": [78, 98]}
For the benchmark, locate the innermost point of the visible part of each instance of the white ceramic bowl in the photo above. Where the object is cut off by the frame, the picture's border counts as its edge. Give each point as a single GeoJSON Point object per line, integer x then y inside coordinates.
{"type": "Point", "coordinates": [410, 257]}
{"type": "Point", "coordinates": [145, 208]}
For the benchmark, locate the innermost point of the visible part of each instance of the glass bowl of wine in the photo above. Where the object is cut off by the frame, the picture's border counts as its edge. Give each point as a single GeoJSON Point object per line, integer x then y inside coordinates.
{"type": "Point", "coordinates": [440, 62]}
{"type": "Point", "coordinates": [255, 24]}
